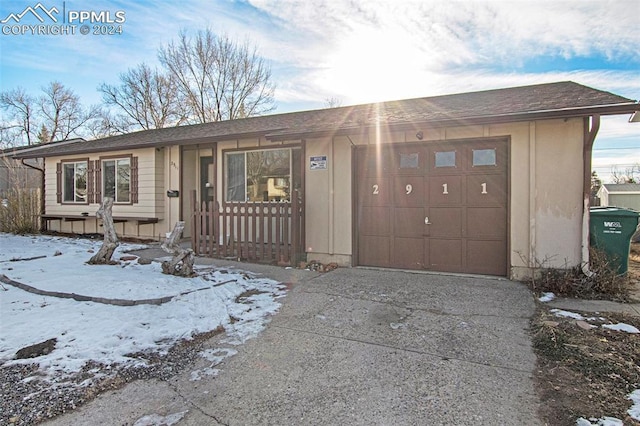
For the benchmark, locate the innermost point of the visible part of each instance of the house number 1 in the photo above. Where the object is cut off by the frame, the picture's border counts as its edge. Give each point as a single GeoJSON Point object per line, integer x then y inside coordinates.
{"type": "Point", "coordinates": [445, 189]}
{"type": "Point", "coordinates": [484, 188]}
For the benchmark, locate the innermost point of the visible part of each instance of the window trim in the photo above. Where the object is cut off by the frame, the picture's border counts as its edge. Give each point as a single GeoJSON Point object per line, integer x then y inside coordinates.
{"type": "Point", "coordinates": [225, 152]}
{"type": "Point", "coordinates": [61, 181]}
{"type": "Point", "coordinates": [115, 158]}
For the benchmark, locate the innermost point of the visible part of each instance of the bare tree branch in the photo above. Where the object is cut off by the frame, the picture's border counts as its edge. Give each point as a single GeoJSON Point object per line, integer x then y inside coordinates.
{"type": "Point", "coordinates": [62, 111]}
{"type": "Point", "coordinates": [145, 98]}
{"type": "Point", "coordinates": [21, 112]}
{"type": "Point", "coordinates": [628, 175]}
{"type": "Point", "coordinates": [56, 115]}
{"type": "Point", "coordinates": [219, 78]}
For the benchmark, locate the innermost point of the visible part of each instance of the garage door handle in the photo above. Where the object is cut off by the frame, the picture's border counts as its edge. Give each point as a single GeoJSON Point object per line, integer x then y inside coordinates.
{"type": "Point", "coordinates": [426, 221]}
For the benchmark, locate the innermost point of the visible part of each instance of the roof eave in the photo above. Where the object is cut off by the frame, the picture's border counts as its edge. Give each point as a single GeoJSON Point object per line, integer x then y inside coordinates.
{"type": "Point", "coordinates": [182, 142]}
{"type": "Point", "coordinates": [617, 109]}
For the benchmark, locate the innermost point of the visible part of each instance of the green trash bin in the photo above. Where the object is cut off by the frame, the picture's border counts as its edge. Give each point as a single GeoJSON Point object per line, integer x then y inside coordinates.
{"type": "Point", "coordinates": [611, 231]}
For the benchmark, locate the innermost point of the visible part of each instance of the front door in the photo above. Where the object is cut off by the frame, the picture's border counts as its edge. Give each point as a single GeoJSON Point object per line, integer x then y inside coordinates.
{"type": "Point", "coordinates": [207, 180]}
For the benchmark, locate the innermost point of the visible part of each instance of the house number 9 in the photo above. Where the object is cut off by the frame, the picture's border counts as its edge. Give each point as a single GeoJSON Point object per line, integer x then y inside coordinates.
{"type": "Point", "coordinates": [409, 188]}
{"type": "Point", "coordinates": [375, 190]}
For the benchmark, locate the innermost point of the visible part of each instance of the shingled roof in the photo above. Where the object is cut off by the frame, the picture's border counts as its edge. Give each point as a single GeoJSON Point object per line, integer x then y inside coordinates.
{"type": "Point", "coordinates": [617, 188]}
{"type": "Point", "coordinates": [542, 101]}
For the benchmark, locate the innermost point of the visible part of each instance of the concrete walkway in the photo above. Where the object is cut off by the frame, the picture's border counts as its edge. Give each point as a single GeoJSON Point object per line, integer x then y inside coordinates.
{"type": "Point", "coordinates": [364, 347]}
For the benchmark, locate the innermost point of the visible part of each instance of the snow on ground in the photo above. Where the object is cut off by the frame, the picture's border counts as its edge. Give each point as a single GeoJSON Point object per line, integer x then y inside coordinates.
{"type": "Point", "coordinates": [106, 333]}
{"type": "Point", "coordinates": [576, 316]}
{"type": "Point", "coordinates": [622, 327]}
{"type": "Point", "coordinates": [158, 420]}
{"type": "Point", "coordinates": [547, 297]}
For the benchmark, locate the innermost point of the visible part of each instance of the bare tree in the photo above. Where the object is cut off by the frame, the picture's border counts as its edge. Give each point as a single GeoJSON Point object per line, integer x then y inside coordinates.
{"type": "Point", "coordinates": [628, 175]}
{"type": "Point", "coordinates": [145, 98]}
{"type": "Point", "coordinates": [332, 102]}
{"type": "Point", "coordinates": [262, 165]}
{"type": "Point", "coordinates": [56, 115]}
{"type": "Point", "coordinates": [219, 78]}
{"type": "Point", "coordinates": [63, 113]}
{"type": "Point", "coordinates": [21, 115]}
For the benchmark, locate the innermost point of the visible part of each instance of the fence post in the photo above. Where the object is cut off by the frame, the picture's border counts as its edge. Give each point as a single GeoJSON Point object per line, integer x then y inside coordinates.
{"type": "Point", "coordinates": [195, 242]}
{"type": "Point", "coordinates": [295, 228]}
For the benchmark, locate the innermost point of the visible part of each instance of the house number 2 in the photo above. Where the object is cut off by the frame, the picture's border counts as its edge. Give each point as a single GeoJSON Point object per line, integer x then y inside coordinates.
{"type": "Point", "coordinates": [376, 189]}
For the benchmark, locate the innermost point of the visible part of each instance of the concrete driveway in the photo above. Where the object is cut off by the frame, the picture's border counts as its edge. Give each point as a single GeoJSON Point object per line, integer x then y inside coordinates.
{"type": "Point", "coordinates": [360, 346]}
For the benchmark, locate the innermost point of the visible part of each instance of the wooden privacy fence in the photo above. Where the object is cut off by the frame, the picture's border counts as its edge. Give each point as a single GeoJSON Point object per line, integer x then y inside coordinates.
{"type": "Point", "coordinates": [265, 232]}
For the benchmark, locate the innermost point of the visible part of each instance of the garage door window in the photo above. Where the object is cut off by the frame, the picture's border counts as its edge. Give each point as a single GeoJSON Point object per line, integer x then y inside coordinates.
{"type": "Point", "coordinates": [409, 161]}
{"type": "Point", "coordinates": [484, 157]}
{"type": "Point", "coordinates": [446, 159]}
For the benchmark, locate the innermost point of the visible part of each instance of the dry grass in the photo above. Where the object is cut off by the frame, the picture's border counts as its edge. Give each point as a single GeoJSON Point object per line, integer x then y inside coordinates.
{"type": "Point", "coordinates": [587, 372]}
{"type": "Point", "coordinates": [20, 211]}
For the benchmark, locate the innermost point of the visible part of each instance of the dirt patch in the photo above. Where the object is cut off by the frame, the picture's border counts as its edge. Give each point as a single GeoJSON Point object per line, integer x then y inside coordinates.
{"type": "Point", "coordinates": [244, 297]}
{"type": "Point", "coordinates": [586, 371]}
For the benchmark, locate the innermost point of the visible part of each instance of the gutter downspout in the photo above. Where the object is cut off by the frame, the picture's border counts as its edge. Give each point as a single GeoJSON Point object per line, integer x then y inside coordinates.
{"type": "Point", "coordinates": [591, 127]}
{"type": "Point", "coordinates": [43, 226]}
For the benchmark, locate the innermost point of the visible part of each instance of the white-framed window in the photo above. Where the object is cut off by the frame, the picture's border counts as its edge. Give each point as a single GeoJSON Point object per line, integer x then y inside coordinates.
{"type": "Point", "coordinates": [74, 182]}
{"type": "Point", "coordinates": [116, 179]}
{"type": "Point", "coordinates": [261, 175]}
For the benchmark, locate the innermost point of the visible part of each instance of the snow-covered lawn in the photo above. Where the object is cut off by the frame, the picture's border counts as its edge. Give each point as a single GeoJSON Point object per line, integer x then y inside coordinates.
{"type": "Point", "coordinates": [106, 333]}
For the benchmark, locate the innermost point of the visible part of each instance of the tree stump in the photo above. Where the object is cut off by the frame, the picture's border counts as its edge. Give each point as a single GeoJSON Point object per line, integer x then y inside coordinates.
{"type": "Point", "coordinates": [103, 256]}
{"type": "Point", "coordinates": [182, 262]}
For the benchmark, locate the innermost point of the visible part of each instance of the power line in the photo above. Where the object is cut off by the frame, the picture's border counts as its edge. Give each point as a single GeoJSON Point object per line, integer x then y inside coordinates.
{"type": "Point", "coordinates": [615, 149]}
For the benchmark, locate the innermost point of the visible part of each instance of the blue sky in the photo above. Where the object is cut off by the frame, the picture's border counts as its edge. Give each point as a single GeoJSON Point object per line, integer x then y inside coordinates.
{"type": "Point", "coordinates": [360, 50]}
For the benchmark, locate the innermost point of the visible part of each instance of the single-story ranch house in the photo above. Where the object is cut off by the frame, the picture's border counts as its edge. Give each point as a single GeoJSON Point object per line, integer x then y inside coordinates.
{"type": "Point", "coordinates": [488, 182]}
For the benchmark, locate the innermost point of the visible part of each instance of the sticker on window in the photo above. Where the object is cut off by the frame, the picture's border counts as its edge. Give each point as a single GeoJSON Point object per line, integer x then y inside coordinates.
{"type": "Point", "coordinates": [446, 159]}
{"type": "Point", "coordinates": [484, 157]}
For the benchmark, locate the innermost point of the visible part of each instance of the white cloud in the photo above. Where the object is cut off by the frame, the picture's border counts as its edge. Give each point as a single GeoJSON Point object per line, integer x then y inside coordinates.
{"type": "Point", "coordinates": [371, 50]}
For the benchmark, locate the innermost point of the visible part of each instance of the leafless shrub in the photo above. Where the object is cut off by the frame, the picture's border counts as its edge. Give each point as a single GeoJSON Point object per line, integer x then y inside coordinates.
{"type": "Point", "coordinates": [605, 283]}
{"type": "Point", "coordinates": [20, 211]}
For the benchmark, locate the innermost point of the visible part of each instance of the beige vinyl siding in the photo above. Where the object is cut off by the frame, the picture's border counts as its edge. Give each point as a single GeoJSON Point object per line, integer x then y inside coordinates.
{"type": "Point", "coordinates": [545, 208]}
{"type": "Point", "coordinates": [148, 205]}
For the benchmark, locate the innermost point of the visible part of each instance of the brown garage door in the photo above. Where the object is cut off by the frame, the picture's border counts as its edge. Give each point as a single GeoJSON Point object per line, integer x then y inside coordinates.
{"type": "Point", "coordinates": [434, 206]}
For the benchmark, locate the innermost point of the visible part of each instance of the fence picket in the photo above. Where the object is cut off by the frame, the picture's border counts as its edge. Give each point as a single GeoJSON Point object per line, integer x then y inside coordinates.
{"type": "Point", "coordinates": [260, 231]}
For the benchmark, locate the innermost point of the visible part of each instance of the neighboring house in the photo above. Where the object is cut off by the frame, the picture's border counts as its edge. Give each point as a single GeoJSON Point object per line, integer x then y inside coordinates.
{"type": "Point", "coordinates": [14, 174]}
{"type": "Point", "coordinates": [459, 183]}
{"type": "Point", "coordinates": [24, 172]}
{"type": "Point", "coordinates": [625, 195]}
